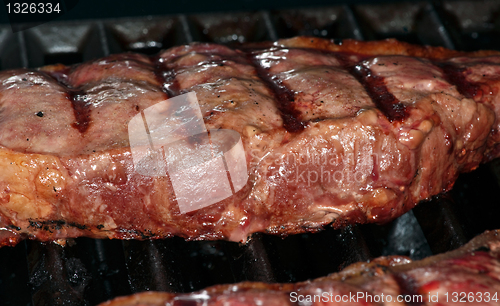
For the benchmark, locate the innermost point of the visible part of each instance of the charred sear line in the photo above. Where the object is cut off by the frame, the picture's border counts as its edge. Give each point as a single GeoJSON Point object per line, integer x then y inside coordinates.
{"type": "Point", "coordinates": [78, 99]}
{"type": "Point", "coordinates": [283, 96]}
{"type": "Point", "coordinates": [17, 228]}
{"type": "Point", "coordinates": [378, 92]}
{"type": "Point", "coordinates": [482, 249]}
{"type": "Point", "coordinates": [408, 289]}
{"type": "Point", "coordinates": [81, 109]}
{"type": "Point", "coordinates": [50, 225]}
{"type": "Point", "coordinates": [139, 234]}
{"type": "Point", "coordinates": [166, 77]}
{"type": "Point", "coordinates": [454, 75]}
{"type": "Point", "coordinates": [78, 226]}
{"type": "Point", "coordinates": [35, 224]}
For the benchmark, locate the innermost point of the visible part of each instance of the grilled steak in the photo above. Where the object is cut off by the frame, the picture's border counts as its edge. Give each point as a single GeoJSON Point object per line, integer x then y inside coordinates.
{"type": "Point", "coordinates": [350, 133]}
{"type": "Point", "coordinates": [470, 274]}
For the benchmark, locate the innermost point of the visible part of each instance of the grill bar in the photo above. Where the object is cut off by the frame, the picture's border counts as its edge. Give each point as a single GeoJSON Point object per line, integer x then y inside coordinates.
{"type": "Point", "coordinates": [470, 24]}
{"type": "Point", "coordinates": [353, 22]}
{"type": "Point", "coordinates": [443, 35]}
{"type": "Point", "coordinates": [103, 39]}
{"type": "Point", "coordinates": [187, 30]}
{"type": "Point", "coordinates": [146, 268]}
{"type": "Point", "coordinates": [444, 231]}
{"type": "Point", "coordinates": [270, 27]}
{"type": "Point", "coordinates": [57, 277]}
{"type": "Point", "coordinates": [22, 50]}
{"type": "Point", "coordinates": [105, 264]}
{"type": "Point", "coordinates": [90, 271]}
{"type": "Point", "coordinates": [257, 266]}
{"type": "Point", "coordinates": [403, 236]}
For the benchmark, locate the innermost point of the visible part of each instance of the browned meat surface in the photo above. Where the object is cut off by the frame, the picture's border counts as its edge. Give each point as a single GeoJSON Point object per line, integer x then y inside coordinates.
{"type": "Point", "coordinates": [358, 132]}
{"type": "Point", "coordinates": [472, 272]}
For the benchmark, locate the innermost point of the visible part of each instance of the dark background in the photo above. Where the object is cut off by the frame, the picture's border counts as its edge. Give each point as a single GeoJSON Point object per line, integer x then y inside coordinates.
{"type": "Point", "coordinates": [88, 9]}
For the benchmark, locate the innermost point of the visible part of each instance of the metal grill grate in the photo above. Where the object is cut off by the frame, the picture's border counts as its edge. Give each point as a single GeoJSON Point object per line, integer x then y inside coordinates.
{"type": "Point", "coordinates": [88, 271]}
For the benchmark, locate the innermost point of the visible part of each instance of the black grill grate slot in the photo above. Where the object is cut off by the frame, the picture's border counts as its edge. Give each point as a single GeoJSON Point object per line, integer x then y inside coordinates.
{"type": "Point", "coordinates": [105, 262]}
{"type": "Point", "coordinates": [444, 231]}
{"type": "Point", "coordinates": [147, 36]}
{"type": "Point", "coordinates": [15, 288]}
{"type": "Point", "coordinates": [146, 268]}
{"type": "Point", "coordinates": [10, 53]}
{"type": "Point", "coordinates": [88, 271]}
{"type": "Point", "coordinates": [403, 236]}
{"type": "Point", "coordinates": [473, 25]}
{"type": "Point", "coordinates": [48, 44]}
{"type": "Point", "coordinates": [57, 277]}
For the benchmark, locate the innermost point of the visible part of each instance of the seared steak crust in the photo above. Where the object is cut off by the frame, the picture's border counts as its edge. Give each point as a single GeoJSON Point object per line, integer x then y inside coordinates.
{"type": "Point", "coordinates": [472, 271]}
{"type": "Point", "coordinates": [357, 132]}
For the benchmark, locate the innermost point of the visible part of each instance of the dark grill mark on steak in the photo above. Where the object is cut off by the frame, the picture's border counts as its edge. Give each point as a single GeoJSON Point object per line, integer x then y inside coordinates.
{"type": "Point", "coordinates": [482, 249]}
{"type": "Point", "coordinates": [284, 97]}
{"type": "Point", "coordinates": [80, 108]}
{"type": "Point", "coordinates": [455, 76]}
{"type": "Point", "coordinates": [77, 98]}
{"type": "Point", "coordinates": [165, 77]}
{"type": "Point", "coordinates": [377, 90]}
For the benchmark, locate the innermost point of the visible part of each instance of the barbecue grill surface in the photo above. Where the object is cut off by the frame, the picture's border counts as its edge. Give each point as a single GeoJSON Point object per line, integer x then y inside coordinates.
{"type": "Point", "coordinates": [87, 271]}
